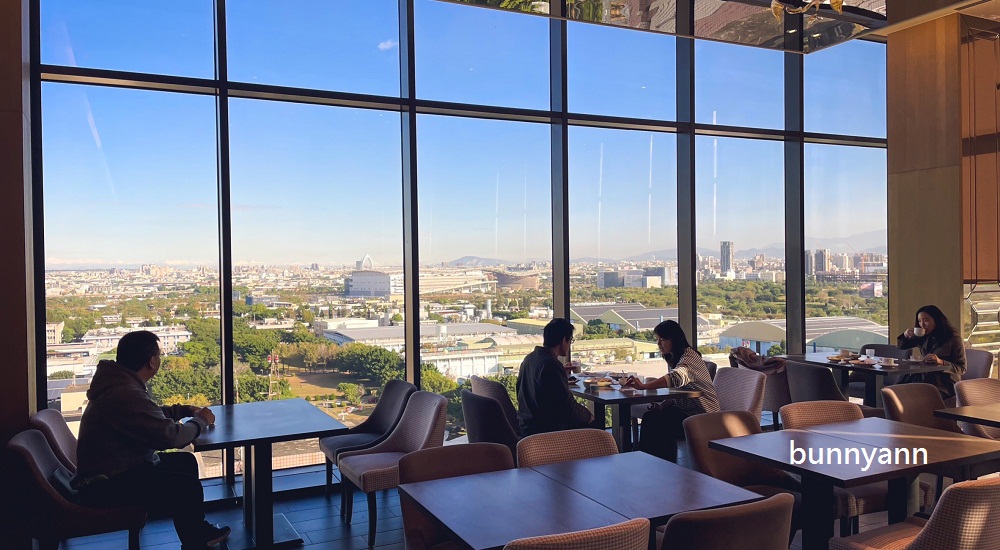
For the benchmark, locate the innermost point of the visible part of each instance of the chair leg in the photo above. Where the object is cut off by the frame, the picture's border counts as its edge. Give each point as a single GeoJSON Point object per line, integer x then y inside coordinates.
{"type": "Point", "coordinates": [329, 476]}
{"type": "Point", "coordinates": [635, 433]}
{"type": "Point", "coordinates": [133, 539]}
{"type": "Point", "coordinates": [372, 518]}
{"type": "Point", "coordinates": [855, 525]}
{"type": "Point", "coordinates": [347, 510]}
{"type": "Point", "coordinates": [845, 526]}
{"type": "Point", "coordinates": [938, 488]}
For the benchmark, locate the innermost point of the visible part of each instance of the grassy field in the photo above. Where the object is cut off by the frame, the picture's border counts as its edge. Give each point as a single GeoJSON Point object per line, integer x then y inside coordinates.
{"type": "Point", "coordinates": [305, 384]}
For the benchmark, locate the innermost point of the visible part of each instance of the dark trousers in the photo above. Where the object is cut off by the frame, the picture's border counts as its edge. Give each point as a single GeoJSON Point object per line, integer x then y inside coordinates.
{"type": "Point", "coordinates": [660, 431]}
{"type": "Point", "coordinates": [168, 489]}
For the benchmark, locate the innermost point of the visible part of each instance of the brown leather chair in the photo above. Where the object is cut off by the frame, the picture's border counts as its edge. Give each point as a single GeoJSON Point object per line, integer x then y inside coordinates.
{"type": "Point", "coordinates": [915, 404]}
{"type": "Point", "coordinates": [815, 383]}
{"type": "Point", "coordinates": [981, 391]}
{"type": "Point", "coordinates": [966, 518]}
{"type": "Point", "coordinates": [61, 440]}
{"type": "Point", "coordinates": [978, 364]}
{"type": "Point", "coordinates": [740, 526]}
{"type": "Point", "coordinates": [629, 535]}
{"type": "Point", "coordinates": [419, 530]}
{"type": "Point", "coordinates": [491, 388]}
{"type": "Point", "coordinates": [485, 421]}
{"type": "Point", "coordinates": [48, 513]}
{"type": "Point", "coordinates": [546, 448]}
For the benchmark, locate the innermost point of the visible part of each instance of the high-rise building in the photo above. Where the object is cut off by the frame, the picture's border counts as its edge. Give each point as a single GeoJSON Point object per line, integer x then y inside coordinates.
{"type": "Point", "coordinates": [810, 262]}
{"type": "Point", "coordinates": [823, 260]}
{"type": "Point", "coordinates": [728, 256]}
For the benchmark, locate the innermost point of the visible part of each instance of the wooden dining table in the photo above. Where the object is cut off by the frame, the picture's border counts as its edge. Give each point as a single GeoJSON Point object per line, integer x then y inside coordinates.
{"type": "Point", "coordinates": [486, 511]}
{"type": "Point", "coordinates": [876, 374]}
{"type": "Point", "coordinates": [621, 400]}
{"type": "Point", "coordinates": [255, 427]}
{"type": "Point", "coordinates": [985, 415]}
{"type": "Point", "coordinates": [870, 435]}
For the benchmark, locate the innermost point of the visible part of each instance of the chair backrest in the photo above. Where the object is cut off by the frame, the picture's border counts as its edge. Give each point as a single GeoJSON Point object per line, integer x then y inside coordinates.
{"type": "Point", "coordinates": [740, 390]}
{"type": "Point", "coordinates": [549, 447]}
{"type": "Point", "coordinates": [981, 391]}
{"type": "Point", "coordinates": [62, 441]}
{"type": "Point", "coordinates": [978, 363]}
{"type": "Point", "coordinates": [699, 429]}
{"type": "Point", "coordinates": [420, 530]}
{"type": "Point", "coordinates": [47, 512]}
{"type": "Point", "coordinates": [966, 518]}
{"type": "Point", "coordinates": [712, 368]}
{"type": "Point", "coordinates": [814, 413]}
{"type": "Point", "coordinates": [421, 427]}
{"type": "Point", "coordinates": [485, 421]}
{"type": "Point", "coordinates": [496, 390]}
{"type": "Point", "coordinates": [812, 383]}
{"type": "Point", "coordinates": [915, 403]}
{"type": "Point", "coordinates": [887, 350]}
{"type": "Point", "coordinates": [740, 526]}
{"type": "Point", "coordinates": [630, 535]}
{"type": "Point", "coordinates": [390, 407]}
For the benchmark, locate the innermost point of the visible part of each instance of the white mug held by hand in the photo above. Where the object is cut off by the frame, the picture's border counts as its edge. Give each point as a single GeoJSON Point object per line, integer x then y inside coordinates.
{"type": "Point", "coordinates": [918, 331]}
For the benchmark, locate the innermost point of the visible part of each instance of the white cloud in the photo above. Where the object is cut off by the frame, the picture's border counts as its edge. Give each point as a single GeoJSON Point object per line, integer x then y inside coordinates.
{"type": "Point", "coordinates": [387, 45]}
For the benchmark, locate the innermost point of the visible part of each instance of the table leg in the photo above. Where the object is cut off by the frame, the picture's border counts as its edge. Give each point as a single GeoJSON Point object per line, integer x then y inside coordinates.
{"type": "Point", "coordinates": [873, 390]}
{"type": "Point", "coordinates": [599, 414]}
{"type": "Point", "coordinates": [621, 426]}
{"type": "Point", "coordinates": [817, 521]}
{"type": "Point", "coordinates": [845, 381]}
{"type": "Point", "coordinates": [263, 497]}
{"type": "Point", "coordinates": [248, 488]}
{"type": "Point", "coordinates": [904, 498]}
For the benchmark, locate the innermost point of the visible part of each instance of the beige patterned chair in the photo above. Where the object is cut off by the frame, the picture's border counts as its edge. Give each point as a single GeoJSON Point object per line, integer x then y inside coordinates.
{"type": "Point", "coordinates": [740, 390]}
{"type": "Point", "coordinates": [979, 391]}
{"type": "Point", "coordinates": [496, 390]}
{"type": "Point", "coordinates": [733, 526]}
{"type": "Point", "coordinates": [630, 535]}
{"type": "Point", "coordinates": [377, 468]}
{"type": "Point", "coordinates": [62, 441]}
{"type": "Point", "coordinates": [546, 448]}
{"type": "Point", "coordinates": [966, 518]}
{"type": "Point", "coordinates": [864, 499]}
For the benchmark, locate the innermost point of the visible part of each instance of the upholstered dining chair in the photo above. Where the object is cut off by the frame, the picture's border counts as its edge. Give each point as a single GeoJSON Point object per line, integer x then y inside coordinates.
{"type": "Point", "coordinates": [815, 383]}
{"type": "Point", "coordinates": [865, 499]}
{"type": "Point", "coordinates": [740, 390]}
{"type": "Point", "coordinates": [978, 364]}
{"type": "Point", "coordinates": [561, 446]}
{"type": "Point", "coordinates": [629, 535]}
{"type": "Point", "coordinates": [61, 440]}
{"type": "Point", "coordinates": [421, 531]}
{"type": "Point", "coordinates": [491, 388]}
{"type": "Point", "coordinates": [966, 518]}
{"type": "Point", "coordinates": [485, 421]}
{"type": "Point", "coordinates": [48, 514]}
{"type": "Point", "coordinates": [857, 380]}
{"type": "Point", "coordinates": [377, 468]}
{"type": "Point", "coordinates": [981, 391]}
{"type": "Point", "coordinates": [369, 433]}
{"type": "Point", "coordinates": [733, 527]}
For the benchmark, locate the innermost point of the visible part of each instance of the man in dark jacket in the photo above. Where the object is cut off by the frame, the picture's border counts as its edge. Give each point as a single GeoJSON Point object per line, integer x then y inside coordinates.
{"type": "Point", "coordinates": [543, 398]}
{"type": "Point", "coordinates": [121, 430]}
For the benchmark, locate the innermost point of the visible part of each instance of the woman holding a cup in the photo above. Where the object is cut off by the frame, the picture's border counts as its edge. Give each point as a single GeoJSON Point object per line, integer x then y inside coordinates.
{"type": "Point", "coordinates": [941, 344]}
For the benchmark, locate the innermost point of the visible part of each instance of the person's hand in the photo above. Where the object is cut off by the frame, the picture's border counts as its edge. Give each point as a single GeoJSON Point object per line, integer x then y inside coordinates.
{"type": "Point", "coordinates": [932, 359]}
{"type": "Point", "coordinates": [909, 333]}
{"type": "Point", "coordinates": [634, 382]}
{"type": "Point", "coordinates": [206, 414]}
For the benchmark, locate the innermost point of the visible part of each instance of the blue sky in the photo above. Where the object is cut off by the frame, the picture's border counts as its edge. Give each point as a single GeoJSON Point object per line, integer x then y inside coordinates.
{"type": "Point", "coordinates": [130, 176]}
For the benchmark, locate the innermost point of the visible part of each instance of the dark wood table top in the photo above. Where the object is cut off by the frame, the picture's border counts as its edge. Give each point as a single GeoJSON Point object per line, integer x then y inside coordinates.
{"type": "Point", "coordinates": [489, 510]}
{"type": "Point", "coordinates": [902, 366]}
{"type": "Point", "coordinates": [266, 422]}
{"type": "Point", "coordinates": [639, 485]}
{"type": "Point", "coordinates": [613, 395]}
{"type": "Point", "coordinates": [986, 415]}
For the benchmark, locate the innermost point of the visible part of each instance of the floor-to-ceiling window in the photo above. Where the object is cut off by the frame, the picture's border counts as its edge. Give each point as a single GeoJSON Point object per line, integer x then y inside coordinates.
{"type": "Point", "coordinates": [240, 168]}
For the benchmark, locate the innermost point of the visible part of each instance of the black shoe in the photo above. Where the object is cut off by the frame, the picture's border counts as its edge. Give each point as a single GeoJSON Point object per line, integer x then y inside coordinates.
{"type": "Point", "coordinates": [216, 534]}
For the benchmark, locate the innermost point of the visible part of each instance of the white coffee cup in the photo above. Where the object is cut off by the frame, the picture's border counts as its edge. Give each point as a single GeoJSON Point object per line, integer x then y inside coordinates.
{"type": "Point", "coordinates": [888, 360]}
{"type": "Point", "coordinates": [918, 331]}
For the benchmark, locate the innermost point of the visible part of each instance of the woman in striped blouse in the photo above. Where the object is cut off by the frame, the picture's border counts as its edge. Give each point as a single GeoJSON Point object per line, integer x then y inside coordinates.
{"type": "Point", "coordinates": [662, 425]}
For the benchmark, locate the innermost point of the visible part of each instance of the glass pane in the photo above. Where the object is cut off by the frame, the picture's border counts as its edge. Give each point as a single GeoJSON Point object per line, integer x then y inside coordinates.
{"type": "Point", "coordinates": [316, 44]}
{"type": "Point", "coordinates": [846, 263]}
{"type": "Point", "coordinates": [845, 90]}
{"type": "Point", "coordinates": [741, 243]}
{"type": "Point", "coordinates": [485, 248]}
{"type": "Point", "coordinates": [655, 15]}
{"type": "Point", "coordinates": [152, 36]}
{"type": "Point", "coordinates": [738, 86]}
{"type": "Point", "coordinates": [608, 76]}
{"type": "Point", "coordinates": [489, 57]}
{"type": "Point", "coordinates": [131, 240]}
{"type": "Point", "coordinates": [738, 23]}
{"type": "Point", "coordinates": [317, 256]}
{"type": "Point", "coordinates": [623, 272]}
{"type": "Point", "coordinates": [526, 6]}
